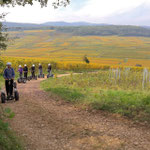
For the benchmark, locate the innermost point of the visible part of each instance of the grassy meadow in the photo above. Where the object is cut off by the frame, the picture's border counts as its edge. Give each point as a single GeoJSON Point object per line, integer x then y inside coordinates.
{"type": "Point", "coordinates": [123, 94]}
{"type": "Point", "coordinates": [108, 50]}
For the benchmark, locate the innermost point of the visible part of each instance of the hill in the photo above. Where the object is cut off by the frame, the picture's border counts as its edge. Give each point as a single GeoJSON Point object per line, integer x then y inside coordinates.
{"type": "Point", "coordinates": [59, 46]}
{"type": "Point", "coordinates": [59, 23]}
{"type": "Point", "coordinates": [82, 28]}
{"type": "Point", "coordinates": [72, 24]}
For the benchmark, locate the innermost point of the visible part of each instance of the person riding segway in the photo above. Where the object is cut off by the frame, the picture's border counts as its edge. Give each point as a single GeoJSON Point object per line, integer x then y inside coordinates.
{"type": "Point", "coordinates": [49, 69]}
{"type": "Point", "coordinates": [9, 75]}
{"type": "Point", "coordinates": [20, 70]}
{"type": "Point", "coordinates": [41, 75]}
{"type": "Point", "coordinates": [33, 72]}
{"type": "Point", "coordinates": [25, 70]}
{"type": "Point", "coordinates": [21, 79]}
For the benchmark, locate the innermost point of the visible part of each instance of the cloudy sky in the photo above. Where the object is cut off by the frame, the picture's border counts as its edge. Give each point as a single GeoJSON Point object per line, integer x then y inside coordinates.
{"type": "Point", "coordinates": [134, 12]}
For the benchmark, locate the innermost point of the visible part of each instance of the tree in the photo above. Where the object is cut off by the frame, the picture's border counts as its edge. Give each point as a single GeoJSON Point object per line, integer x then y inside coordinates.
{"type": "Point", "coordinates": [43, 3]}
{"type": "Point", "coordinates": [3, 36]}
{"type": "Point", "coordinates": [85, 59]}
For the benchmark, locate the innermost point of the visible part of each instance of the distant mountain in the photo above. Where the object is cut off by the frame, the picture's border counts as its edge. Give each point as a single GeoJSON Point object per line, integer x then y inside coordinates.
{"type": "Point", "coordinates": [14, 24]}
{"type": "Point", "coordinates": [147, 27]}
{"type": "Point", "coordinates": [71, 24]}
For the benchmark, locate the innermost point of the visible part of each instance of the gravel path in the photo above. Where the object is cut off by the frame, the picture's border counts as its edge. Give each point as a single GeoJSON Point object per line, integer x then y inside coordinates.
{"type": "Point", "coordinates": [47, 124]}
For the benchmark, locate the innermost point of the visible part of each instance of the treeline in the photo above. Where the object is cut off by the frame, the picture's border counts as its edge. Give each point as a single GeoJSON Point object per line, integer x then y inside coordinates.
{"type": "Point", "coordinates": [106, 30]}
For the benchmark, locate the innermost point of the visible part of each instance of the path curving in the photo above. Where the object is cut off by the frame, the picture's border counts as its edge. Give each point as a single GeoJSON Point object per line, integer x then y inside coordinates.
{"type": "Point", "coordinates": [47, 124]}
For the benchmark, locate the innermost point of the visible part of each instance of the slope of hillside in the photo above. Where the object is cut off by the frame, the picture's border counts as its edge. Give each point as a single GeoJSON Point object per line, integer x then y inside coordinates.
{"type": "Point", "coordinates": [66, 47]}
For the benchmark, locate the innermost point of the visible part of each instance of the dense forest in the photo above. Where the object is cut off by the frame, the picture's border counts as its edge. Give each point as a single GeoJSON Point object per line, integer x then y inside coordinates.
{"type": "Point", "coordinates": [100, 30]}
{"type": "Point", "coordinates": [106, 30]}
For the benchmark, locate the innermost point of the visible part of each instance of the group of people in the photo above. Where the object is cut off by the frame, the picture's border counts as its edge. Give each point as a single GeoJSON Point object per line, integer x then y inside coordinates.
{"type": "Point", "coordinates": [24, 70]}
{"type": "Point", "coordinates": [9, 75]}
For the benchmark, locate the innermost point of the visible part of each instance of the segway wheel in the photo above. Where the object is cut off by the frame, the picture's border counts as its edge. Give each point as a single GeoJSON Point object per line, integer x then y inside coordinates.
{"type": "Point", "coordinates": [19, 80]}
{"type": "Point", "coordinates": [15, 85]}
{"type": "Point", "coordinates": [43, 76]}
{"type": "Point", "coordinates": [3, 97]}
{"type": "Point", "coordinates": [47, 76]}
{"type": "Point", "coordinates": [16, 96]}
{"type": "Point", "coordinates": [35, 77]}
{"type": "Point", "coordinates": [24, 81]}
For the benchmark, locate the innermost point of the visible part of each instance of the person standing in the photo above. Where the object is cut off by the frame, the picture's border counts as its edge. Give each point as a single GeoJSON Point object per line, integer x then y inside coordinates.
{"type": "Point", "coordinates": [40, 70]}
{"type": "Point", "coordinates": [9, 75]}
{"type": "Point", "coordinates": [25, 70]}
{"type": "Point", "coordinates": [20, 70]}
{"type": "Point", "coordinates": [33, 71]}
{"type": "Point", "coordinates": [49, 69]}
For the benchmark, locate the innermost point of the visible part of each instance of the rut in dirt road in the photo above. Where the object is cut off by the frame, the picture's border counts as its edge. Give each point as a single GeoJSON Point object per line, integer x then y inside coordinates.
{"type": "Point", "coordinates": [47, 124]}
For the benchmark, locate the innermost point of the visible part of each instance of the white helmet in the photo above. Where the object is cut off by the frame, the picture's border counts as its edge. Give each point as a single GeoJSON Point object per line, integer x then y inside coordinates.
{"type": "Point", "coordinates": [8, 64]}
{"type": "Point", "coordinates": [25, 65]}
{"type": "Point", "coordinates": [19, 66]}
{"type": "Point", "coordinates": [39, 64]}
{"type": "Point", "coordinates": [33, 65]}
{"type": "Point", "coordinates": [49, 64]}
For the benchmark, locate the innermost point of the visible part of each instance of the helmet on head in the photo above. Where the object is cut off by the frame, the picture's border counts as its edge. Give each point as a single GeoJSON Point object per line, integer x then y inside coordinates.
{"type": "Point", "coordinates": [19, 66]}
{"type": "Point", "coordinates": [8, 64]}
{"type": "Point", "coordinates": [33, 65]}
{"type": "Point", "coordinates": [25, 65]}
{"type": "Point", "coordinates": [39, 64]}
{"type": "Point", "coordinates": [49, 64]}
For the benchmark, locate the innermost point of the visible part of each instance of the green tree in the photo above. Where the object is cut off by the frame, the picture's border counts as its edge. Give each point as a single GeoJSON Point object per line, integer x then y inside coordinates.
{"type": "Point", "coordinates": [3, 36]}
{"type": "Point", "coordinates": [43, 3]}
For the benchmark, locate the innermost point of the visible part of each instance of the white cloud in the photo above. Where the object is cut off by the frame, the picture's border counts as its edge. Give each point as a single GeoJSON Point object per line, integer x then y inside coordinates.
{"type": "Point", "coordinates": [91, 11]}
{"type": "Point", "coordinates": [106, 7]}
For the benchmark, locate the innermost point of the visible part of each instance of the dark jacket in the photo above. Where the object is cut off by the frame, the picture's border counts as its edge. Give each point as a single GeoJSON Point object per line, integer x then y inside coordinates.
{"type": "Point", "coordinates": [49, 68]}
{"type": "Point", "coordinates": [9, 73]}
{"type": "Point", "coordinates": [25, 69]}
{"type": "Point", "coordinates": [32, 69]}
{"type": "Point", "coordinates": [40, 67]}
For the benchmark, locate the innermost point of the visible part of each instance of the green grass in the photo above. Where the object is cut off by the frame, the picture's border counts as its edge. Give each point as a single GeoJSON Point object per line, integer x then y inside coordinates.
{"type": "Point", "coordinates": [1, 81]}
{"type": "Point", "coordinates": [124, 97]}
{"type": "Point", "coordinates": [67, 93]}
{"type": "Point", "coordinates": [8, 139]}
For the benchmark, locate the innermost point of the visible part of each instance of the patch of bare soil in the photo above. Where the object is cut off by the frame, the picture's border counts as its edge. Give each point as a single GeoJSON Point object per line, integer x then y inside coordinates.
{"type": "Point", "coordinates": [47, 124]}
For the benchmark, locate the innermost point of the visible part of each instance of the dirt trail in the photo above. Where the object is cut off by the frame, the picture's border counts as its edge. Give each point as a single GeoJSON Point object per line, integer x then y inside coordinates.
{"type": "Point", "coordinates": [47, 124]}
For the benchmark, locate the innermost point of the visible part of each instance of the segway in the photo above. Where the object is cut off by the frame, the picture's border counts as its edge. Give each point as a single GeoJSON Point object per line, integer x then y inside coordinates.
{"type": "Point", "coordinates": [41, 75]}
{"type": "Point", "coordinates": [50, 75]}
{"type": "Point", "coordinates": [33, 77]}
{"type": "Point", "coordinates": [22, 80]}
{"type": "Point", "coordinates": [15, 95]}
{"type": "Point", "coordinates": [26, 76]}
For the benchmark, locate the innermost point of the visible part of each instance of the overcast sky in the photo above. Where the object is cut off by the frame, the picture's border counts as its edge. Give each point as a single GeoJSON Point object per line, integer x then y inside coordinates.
{"type": "Point", "coordinates": [98, 11]}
